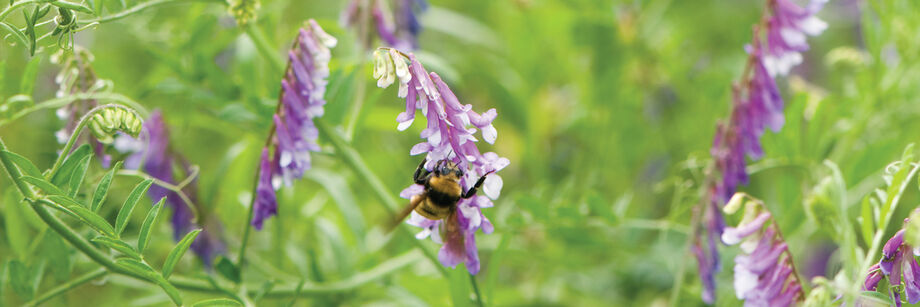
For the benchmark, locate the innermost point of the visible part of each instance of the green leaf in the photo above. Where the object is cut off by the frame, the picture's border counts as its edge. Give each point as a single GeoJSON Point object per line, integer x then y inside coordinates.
{"type": "Point", "coordinates": [25, 279]}
{"type": "Point", "coordinates": [16, 33]}
{"type": "Point", "coordinates": [89, 217]}
{"type": "Point", "coordinates": [136, 267]}
{"type": "Point", "coordinates": [97, 7]}
{"type": "Point", "coordinates": [15, 225]}
{"type": "Point", "coordinates": [43, 185]}
{"type": "Point", "coordinates": [224, 302]}
{"type": "Point", "coordinates": [227, 269]}
{"type": "Point", "coordinates": [459, 286]}
{"type": "Point", "coordinates": [76, 178]}
{"type": "Point", "coordinates": [63, 173]}
{"type": "Point", "coordinates": [178, 251]}
{"type": "Point", "coordinates": [338, 188]}
{"type": "Point", "coordinates": [57, 254]}
{"type": "Point", "coordinates": [876, 297]}
{"type": "Point", "coordinates": [73, 6]}
{"type": "Point", "coordinates": [119, 246]}
{"type": "Point", "coordinates": [102, 190]}
{"type": "Point", "coordinates": [28, 76]}
{"type": "Point", "coordinates": [144, 270]}
{"type": "Point", "coordinates": [22, 163]}
{"type": "Point", "coordinates": [122, 220]}
{"type": "Point", "coordinates": [151, 218]}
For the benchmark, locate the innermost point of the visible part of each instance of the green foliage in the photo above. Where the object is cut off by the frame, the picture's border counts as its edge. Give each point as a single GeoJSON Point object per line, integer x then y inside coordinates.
{"type": "Point", "coordinates": [144, 236]}
{"type": "Point", "coordinates": [122, 220]}
{"type": "Point", "coordinates": [178, 251]}
{"type": "Point", "coordinates": [606, 110]}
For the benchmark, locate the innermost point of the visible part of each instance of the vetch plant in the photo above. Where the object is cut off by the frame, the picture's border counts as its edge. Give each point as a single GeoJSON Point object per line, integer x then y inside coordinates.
{"type": "Point", "coordinates": [449, 136]}
{"type": "Point", "coordinates": [756, 105]}
{"type": "Point", "coordinates": [764, 274]}
{"type": "Point", "coordinates": [293, 134]}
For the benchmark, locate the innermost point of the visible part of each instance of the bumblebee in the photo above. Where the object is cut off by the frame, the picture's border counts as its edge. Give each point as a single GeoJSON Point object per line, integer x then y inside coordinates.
{"type": "Point", "coordinates": [442, 192]}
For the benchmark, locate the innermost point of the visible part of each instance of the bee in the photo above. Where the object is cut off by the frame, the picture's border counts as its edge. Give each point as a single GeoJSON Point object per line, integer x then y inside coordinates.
{"type": "Point", "coordinates": [440, 197]}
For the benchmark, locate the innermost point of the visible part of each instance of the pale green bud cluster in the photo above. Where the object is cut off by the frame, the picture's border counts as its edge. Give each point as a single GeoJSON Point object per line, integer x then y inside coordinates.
{"type": "Point", "coordinates": [106, 122]}
{"type": "Point", "coordinates": [389, 66]}
{"type": "Point", "coordinates": [244, 11]}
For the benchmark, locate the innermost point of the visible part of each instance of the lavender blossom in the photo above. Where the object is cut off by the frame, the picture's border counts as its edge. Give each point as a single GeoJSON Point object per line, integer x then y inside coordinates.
{"type": "Point", "coordinates": [764, 272]}
{"type": "Point", "coordinates": [156, 159]}
{"type": "Point", "coordinates": [449, 135]}
{"type": "Point", "coordinates": [900, 267]}
{"type": "Point", "coordinates": [756, 105]}
{"type": "Point", "coordinates": [786, 31]}
{"type": "Point", "coordinates": [295, 135]}
{"type": "Point", "coordinates": [397, 27]}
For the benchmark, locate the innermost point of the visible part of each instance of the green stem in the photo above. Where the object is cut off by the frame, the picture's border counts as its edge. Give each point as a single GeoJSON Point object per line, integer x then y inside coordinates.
{"type": "Point", "coordinates": [265, 48]}
{"type": "Point", "coordinates": [166, 185]}
{"type": "Point", "coordinates": [16, 5]}
{"type": "Point", "coordinates": [63, 288]}
{"type": "Point", "coordinates": [476, 290]}
{"type": "Point", "coordinates": [141, 7]}
{"type": "Point", "coordinates": [63, 101]}
{"type": "Point", "coordinates": [354, 161]}
{"type": "Point", "coordinates": [14, 173]}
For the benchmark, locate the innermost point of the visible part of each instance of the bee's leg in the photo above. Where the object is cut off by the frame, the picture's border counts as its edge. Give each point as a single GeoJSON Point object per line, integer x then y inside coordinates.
{"type": "Point", "coordinates": [476, 186]}
{"type": "Point", "coordinates": [421, 173]}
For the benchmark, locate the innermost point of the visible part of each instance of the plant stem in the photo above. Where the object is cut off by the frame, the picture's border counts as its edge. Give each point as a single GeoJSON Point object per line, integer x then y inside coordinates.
{"type": "Point", "coordinates": [265, 48]}
{"type": "Point", "coordinates": [68, 286]}
{"type": "Point", "coordinates": [354, 161]}
{"type": "Point", "coordinates": [141, 7]}
{"type": "Point", "coordinates": [166, 185]}
{"type": "Point", "coordinates": [476, 290]}
{"type": "Point", "coordinates": [63, 101]}
{"type": "Point", "coordinates": [16, 5]}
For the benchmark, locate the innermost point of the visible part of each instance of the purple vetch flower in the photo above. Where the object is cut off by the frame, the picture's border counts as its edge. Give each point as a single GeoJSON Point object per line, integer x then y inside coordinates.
{"type": "Point", "coordinates": [764, 272]}
{"type": "Point", "coordinates": [756, 105]}
{"type": "Point", "coordinates": [302, 91]}
{"type": "Point", "coordinates": [266, 204]}
{"type": "Point", "coordinates": [786, 31]}
{"type": "Point", "coordinates": [398, 27]}
{"type": "Point", "coordinates": [899, 265]}
{"type": "Point", "coordinates": [153, 155]}
{"type": "Point", "coordinates": [78, 77]}
{"type": "Point", "coordinates": [449, 134]}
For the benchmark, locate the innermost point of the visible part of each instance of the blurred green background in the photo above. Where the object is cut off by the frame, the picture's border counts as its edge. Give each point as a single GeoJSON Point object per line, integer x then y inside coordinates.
{"type": "Point", "coordinates": [606, 110]}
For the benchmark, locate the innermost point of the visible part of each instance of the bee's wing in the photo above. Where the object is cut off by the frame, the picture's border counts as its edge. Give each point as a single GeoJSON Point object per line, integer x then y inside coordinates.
{"type": "Point", "coordinates": [414, 202]}
{"type": "Point", "coordinates": [453, 236]}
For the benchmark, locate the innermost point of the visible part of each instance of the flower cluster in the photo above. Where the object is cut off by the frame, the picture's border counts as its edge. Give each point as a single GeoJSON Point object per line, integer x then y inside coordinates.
{"type": "Point", "coordinates": [786, 31]}
{"type": "Point", "coordinates": [900, 267]}
{"type": "Point", "coordinates": [156, 159]}
{"type": "Point", "coordinates": [764, 273]}
{"type": "Point", "coordinates": [78, 77]}
{"type": "Point", "coordinates": [756, 105]}
{"type": "Point", "coordinates": [449, 135]}
{"type": "Point", "coordinates": [294, 137]}
{"type": "Point", "coordinates": [398, 27]}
